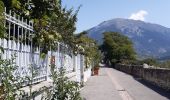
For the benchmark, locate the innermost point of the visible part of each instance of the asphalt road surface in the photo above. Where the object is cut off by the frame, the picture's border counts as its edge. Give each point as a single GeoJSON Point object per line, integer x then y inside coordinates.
{"type": "Point", "coordinates": [111, 84]}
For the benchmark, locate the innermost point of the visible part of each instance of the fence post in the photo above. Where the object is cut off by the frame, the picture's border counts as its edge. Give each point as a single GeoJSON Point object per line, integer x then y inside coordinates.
{"type": "Point", "coordinates": [82, 68]}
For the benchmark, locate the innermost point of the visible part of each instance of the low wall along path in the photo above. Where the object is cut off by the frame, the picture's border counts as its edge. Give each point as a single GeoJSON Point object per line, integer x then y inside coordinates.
{"type": "Point", "coordinates": [157, 76]}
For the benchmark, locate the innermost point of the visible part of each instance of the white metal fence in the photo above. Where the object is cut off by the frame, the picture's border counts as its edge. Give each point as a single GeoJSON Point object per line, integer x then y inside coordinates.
{"type": "Point", "coordinates": [19, 42]}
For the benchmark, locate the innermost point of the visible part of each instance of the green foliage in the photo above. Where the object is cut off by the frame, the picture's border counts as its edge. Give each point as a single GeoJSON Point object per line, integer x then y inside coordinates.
{"type": "Point", "coordinates": [11, 4]}
{"type": "Point", "coordinates": [150, 61]}
{"type": "Point", "coordinates": [29, 79]}
{"type": "Point", "coordinates": [2, 28]}
{"type": "Point", "coordinates": [153, 62]}
{"type": "Point", "coordinates": [165, 64]}
{"type": "Point", "coordinates": [90, 49]}
{"type": "Point", "coordinates": [52, 22]}
{"type": "Point", "coordinates": [10, 83]}
{"type": "Point", "coordinates": [117, 48]}
{"type": "Point", "coordinates": [63, 88]}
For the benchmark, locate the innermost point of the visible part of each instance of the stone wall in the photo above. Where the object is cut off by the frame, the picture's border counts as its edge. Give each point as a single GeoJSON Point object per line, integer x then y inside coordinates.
{"type": "Point", "coordinates": [156, 76]}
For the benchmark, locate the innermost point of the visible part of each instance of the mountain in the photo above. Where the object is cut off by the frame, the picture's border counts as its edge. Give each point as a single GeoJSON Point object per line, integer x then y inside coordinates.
{"type": "Point", "coordinates": [150, 40]}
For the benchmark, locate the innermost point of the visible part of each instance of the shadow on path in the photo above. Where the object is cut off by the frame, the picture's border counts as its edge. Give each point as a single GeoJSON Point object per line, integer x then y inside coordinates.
{"type": "Point", "coordinates": [154, 87]}
{"type": "Point", "coordinates": [150, 86]}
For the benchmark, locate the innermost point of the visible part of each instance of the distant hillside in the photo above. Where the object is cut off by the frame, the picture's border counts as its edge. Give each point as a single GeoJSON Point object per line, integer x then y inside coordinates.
{"type": "Point", "coordinates": [150, 40]}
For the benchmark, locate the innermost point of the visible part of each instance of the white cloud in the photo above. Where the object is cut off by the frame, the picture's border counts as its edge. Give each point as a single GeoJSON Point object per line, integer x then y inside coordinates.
{"type": "Point", "coordinates": [150, 40]}
{"type": "Point", "coordinates": [140, 15]}
{"type": "Point", "coordinates": [162, 50]}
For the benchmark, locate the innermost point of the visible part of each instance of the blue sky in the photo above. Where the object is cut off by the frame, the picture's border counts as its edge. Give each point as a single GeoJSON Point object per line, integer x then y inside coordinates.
{"type": "Point", "coordinates": [94, 12]}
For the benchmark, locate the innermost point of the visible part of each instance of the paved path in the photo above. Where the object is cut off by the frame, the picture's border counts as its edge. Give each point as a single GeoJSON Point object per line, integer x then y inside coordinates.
{"type": "Point", "coordinates": [115, 85]}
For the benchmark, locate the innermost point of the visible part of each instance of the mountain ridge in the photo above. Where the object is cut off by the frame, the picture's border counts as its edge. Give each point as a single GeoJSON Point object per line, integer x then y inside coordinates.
{"type": "Point", "coordinates": [149, 39]}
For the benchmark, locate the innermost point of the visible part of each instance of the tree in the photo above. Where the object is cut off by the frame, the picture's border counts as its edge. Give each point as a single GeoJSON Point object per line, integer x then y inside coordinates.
{"type": "Point", "coordinates": [2, 28]}
{"type": "Point", "coordinates": [117, 48]}
{"type": "Point", "coordinates": [2, 19]}
{"type": "Point", "coordinates": [165, 64]}
{"type": "Point", "coordinates": [55, 23]}
{"type": "Point", "coordinates": [91, 51]}
{"type": "Point", "coordinates": [150, 61]}
{"type": "Point", "coordinates": [52, 21]}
